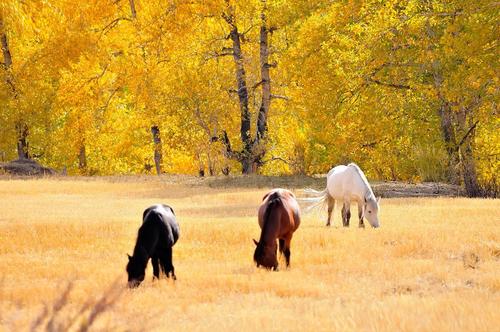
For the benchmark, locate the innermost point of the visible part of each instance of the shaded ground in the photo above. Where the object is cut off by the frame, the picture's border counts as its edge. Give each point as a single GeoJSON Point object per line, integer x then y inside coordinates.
{"type": "Point", "coordinates": [161, 184]}
{"type": "Point", "coordinates": [380, 188]}
{"type": "Point", "coordinates": [25, 167]}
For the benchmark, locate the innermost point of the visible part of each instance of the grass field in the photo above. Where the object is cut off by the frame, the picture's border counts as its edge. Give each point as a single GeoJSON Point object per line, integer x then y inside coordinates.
{"type": "Point", "coordinates": [434, 265]}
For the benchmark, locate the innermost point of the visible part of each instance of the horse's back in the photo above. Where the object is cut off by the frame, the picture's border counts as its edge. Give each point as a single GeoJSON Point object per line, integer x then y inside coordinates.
{"type": "Point", "coordinates": [290, 206]}
{"type": "Point", "coordinates": [161, 218]}
{"type": "Point", "coordinates": [343, 181]}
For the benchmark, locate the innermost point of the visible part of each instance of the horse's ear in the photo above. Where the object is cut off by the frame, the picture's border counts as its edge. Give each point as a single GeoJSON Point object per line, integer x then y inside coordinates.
{"type": "Point", "coordinates": [129, 257]}
{"type": "Point", "coordinates": [379, 199]}
{"type": "Point", "coordinates": [256, 243]}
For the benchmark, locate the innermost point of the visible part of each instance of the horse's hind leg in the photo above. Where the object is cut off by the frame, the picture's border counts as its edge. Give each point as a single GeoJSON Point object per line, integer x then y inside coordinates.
{"type": "Point", "coordinates": [287, 242]}
{"type": "Point", "coordinates": [346, 213]}
{"type": "Point", "coordinates": [156, 267]}
{"type": "Point", "coordinates": [167, 265]}
{"type": "Point", "coordinates": [331, 205]}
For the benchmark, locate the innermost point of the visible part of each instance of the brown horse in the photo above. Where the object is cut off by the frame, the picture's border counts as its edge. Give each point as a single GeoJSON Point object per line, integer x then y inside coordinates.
{"type": "Point", "coordinates": [279, 217]}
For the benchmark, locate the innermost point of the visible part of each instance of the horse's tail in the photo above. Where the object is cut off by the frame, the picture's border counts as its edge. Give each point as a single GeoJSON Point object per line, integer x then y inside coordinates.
{"type": "Point", "coordinates": [320, 198]}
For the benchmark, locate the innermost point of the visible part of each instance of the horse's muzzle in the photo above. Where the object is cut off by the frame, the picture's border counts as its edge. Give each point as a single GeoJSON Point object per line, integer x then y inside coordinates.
{"type": "Point", "coordinates": [133, 283]}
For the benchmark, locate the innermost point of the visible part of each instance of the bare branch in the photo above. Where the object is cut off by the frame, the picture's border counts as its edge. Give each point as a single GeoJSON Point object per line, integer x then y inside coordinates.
{"type": "Point", "coordinates": [247, 30]}
{"type": "Point", "coordinates": [471, 129]}
{"type": "Point", "coordinates": [200, 120]}
{"type": "Point", "coordinates": [229, 153]}
{"type": "Point", "coordinates": [215, 54]}
{"type": "Point", "coordinates": [162, 61]}
{"type": "Point", "coordinates": [97, 77]}
{"type": "Point", "coordinates": [113, 23]}
{"type": "Point", "coordinates": [280, 97]}
{"type": "Point", "coordinates": [256, 85]}
{"type": "Point", "coordinates": [262, 162]}
{"type": "Point", "coordinates": [391, 85]}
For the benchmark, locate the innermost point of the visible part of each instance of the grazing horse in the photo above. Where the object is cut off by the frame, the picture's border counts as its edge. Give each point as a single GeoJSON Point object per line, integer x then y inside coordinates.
{"type": "Point", "coordinates": [279, 217]}
{"type": "Point", "coordinates": [347, 184]}
{"type": "Point", "coordinates": [158, 233]}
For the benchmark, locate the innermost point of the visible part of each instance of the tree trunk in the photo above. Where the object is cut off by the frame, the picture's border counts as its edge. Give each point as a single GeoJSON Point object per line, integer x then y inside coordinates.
{"type": "Point", "coordinates": [132, 8]}
{"type": "Point", "coordinates": [466, 148]}
{"type": "Point", "coordinates": [448, 133]}
{"type": "Point", "coordinates": [158, 157]}
{"type": "Point", "coordinates": [472, 187]}
{"type": "Point", "coordinates": [265, 76]}
{"type": "Point", "coordinates": [22, 141]}
{"type": "Point", "coordinates": [447, 128]}
{"type": "Point", "coordinates": [246, 155]}
{"type": "Point", "coordinates": [252, 151]}
{"type": "Point", "coordinates": [259, 149]}
{"type": "Point", "coordinates": [21, 128]}
{"type": "Point", "coordinates": [82, 159]}
{"type": "Point", "coordinates": [7, 57]}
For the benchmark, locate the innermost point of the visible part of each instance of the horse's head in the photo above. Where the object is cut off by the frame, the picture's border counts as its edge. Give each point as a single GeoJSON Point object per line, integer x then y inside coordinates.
{"type": "Point", "coordinates": [372, 206]}
{"type": "Point", "coordinates": [136, 271]}
{"type": "Point", "coordinates": [265, 256]}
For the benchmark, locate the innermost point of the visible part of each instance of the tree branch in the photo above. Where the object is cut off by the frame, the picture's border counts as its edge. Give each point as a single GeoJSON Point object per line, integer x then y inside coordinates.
{"type": "Point", "coordinates": [262, 162]}
{"type": "Point", "coordinates": [113, 23]}
{"type": "Point", "coordinates": [229, 153]}
{"type": "Point", "coordinates": [468, 133]}
{"type": "Point", "coordinates": [97, 77]}
{"type": "Point", "coordinates": [280, 97]}
{"type": "Point", "coordinates": [391, 85]}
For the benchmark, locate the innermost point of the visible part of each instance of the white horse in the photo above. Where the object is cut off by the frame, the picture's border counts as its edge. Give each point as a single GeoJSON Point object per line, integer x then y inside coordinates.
{"type": "Point", "coordinates": [348, 184]}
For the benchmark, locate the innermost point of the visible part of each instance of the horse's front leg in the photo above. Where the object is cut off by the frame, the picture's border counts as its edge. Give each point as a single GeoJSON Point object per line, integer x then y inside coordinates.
{"type": "Point", "coordinates": [281, 246]}
{"type": "Point", "coordinates": [361, 212]}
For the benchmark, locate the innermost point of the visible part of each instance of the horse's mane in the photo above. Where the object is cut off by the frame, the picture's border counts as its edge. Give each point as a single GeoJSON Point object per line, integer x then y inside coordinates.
{"type": "Point", "coordinates": [369, 194]}
{"type": "Point", "coordinates": [273, 200]}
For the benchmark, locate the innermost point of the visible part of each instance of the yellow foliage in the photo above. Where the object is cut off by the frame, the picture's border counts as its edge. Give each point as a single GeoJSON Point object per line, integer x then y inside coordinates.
{"type": "Point", "coordinates": [355, 81]}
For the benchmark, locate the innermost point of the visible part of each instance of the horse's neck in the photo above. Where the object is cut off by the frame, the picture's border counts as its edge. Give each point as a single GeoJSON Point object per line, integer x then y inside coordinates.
{"type": "Point", "coordinates": [140, 253]}
{"type": "Point", "coordinates": [365, 188]}
{"type": "Point", "coordinates": [369, 195]}
{"type": "Point", "coordinates": [270, 228]}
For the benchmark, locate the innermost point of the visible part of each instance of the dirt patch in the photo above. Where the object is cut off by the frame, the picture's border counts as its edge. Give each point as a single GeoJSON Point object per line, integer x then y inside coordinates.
{"type": "Point", "coordinates": [24, 167]}
{"type": "Point", "coordinates": [425, 189]}
{"type": "Point", "coordinates": [385, 189]}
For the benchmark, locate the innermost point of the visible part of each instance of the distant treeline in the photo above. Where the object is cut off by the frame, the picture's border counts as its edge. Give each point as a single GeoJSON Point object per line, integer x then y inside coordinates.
{"type": "Point", "coordinates": [406, 89]}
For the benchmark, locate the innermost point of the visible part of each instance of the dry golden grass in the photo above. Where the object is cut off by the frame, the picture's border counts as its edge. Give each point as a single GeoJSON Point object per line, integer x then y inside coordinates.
{"type": "Point", "coordinates": [434, 265]}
